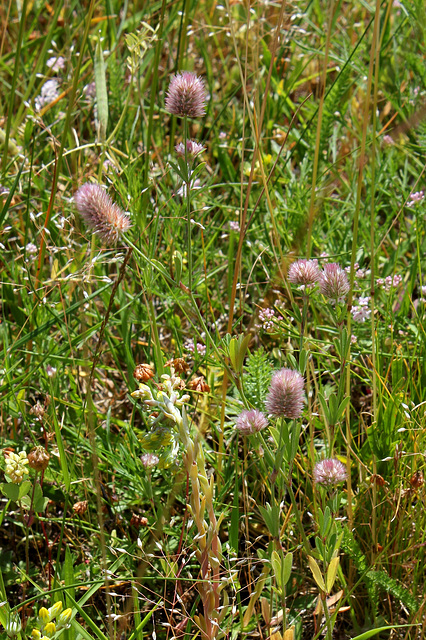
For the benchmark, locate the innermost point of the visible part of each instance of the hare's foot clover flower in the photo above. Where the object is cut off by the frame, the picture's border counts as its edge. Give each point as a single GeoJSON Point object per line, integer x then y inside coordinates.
{"type": "Point", "coordinates": [304, 272]}
{"type": "Point", "coordinates": [329, 472]}
{"type": "Point", "coordinates": [100, 213]}
{"type": "Point", "coordinates": [249, 422]}
{"type": "Point", "coordinates": [334, 283]}
{"type": "Point", "coordinates": [286, 394]}
{"type": "Point", "coordinates": [193, 149]}
{"type": "Point", "coordinates": [186, 95]}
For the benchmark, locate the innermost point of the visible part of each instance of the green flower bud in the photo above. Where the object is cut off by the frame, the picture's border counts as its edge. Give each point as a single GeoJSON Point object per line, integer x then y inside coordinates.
{"type": "Point", "coordinates": [13, 625]}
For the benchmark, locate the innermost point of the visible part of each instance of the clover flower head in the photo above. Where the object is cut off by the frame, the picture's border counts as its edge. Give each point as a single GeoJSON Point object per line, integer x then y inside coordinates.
{"type": "Point", "coordinates": [286, 394]}
{"type": "Point", "coordinates": [100, 213]}
{"type": "Point", "coordinates": [334, 283]}
{"type": "Point", "coordinates": [329, 472]}
{"type": "Point", "coordinates": [304, 272]}
{"type": "Point", "coordinates": [249, 422]}
{"type": "Point", "coordinates": [186, 95]}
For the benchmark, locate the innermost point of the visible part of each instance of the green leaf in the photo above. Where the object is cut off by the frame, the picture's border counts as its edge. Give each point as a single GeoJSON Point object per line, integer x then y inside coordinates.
{"type": "Point", "coordinates": [316, 572]}
{"type": "Point", "coordinates": [287, 566]}
{"type": "Point", "coordinates": [331, 573]}
{"type": "Point", "coordinates": [101, 90]}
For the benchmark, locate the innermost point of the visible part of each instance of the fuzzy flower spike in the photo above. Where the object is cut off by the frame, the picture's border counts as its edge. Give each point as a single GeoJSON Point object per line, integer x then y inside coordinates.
{"type": "Point", "coordinates": [186, 95]}
{"type": "Point", "coordinates": [100, 213]}
{"type": "Point", "coordinates": [286, 394]}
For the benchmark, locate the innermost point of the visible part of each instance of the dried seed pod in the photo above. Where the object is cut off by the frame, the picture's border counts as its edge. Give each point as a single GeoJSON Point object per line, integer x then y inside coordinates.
{"type": "Point", "coordinates": [179, 365]}
{"type": "Point", "coordinates": [38, 459]}
{"type": "Point", "coordinates": [143, 372]}
{"type": "Point", "coordinates": [80, 508]}
{"type": "Point", "coordinates": [199, 384]}
{"type": "Point", "coordinates": [417, 480]}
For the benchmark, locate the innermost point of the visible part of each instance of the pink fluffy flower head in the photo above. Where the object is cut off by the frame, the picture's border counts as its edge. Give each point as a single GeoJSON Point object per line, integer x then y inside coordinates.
{"type": "Point", "coordinates": [193, 149]}
{"type": "Point", "coordinates": [100, 213]}
{"type": "Point", "coordinates": [334, 282]}
{"type": "Point", "coordinates": [249, 422]}
{"type": "Point", "coordinates": [329, 472]}
{"type": "Point", "coordinates": [286, 394]}
{"type": "Point", "coordinates": [304, 272]}
{"type": "Point", "coordinates": [186, 95]}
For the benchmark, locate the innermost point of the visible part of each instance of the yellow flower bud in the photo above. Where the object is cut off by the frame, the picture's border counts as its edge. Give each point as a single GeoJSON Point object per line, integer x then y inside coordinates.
{"type": "Point", "coordinates": [35, 633]}
{"type": "Point", "coordinates": [50, 629]}
{"type": "Point", "coordinates": [55, 609]}
{"type": "Point", "coordinates": [43, 616]}
{"type": "Point", "coordinates": [64, 618]}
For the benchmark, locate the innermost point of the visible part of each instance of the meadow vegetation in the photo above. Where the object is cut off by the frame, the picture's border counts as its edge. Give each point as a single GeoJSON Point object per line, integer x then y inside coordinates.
{"type": "Point", "coordinates": [213, 352]}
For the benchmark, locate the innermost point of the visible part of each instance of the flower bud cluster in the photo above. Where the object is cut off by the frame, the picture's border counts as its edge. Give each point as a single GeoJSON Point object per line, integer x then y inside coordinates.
{"type": "Point", "coordinates": [16, 466]}
{"type": "Point", "coordinates": [167, 400]}
{"type": "Point", "coordinates": [47, 628]}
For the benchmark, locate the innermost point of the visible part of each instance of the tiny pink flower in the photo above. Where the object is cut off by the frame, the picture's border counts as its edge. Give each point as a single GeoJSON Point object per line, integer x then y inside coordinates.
{"type": "Point", "coordinates": [334, 282]}
{"type": "Point", "coordinates": [304, 272]}
{"type": "Point", "coordinates": [286, 394]}
{"type": "Point", "coordinates": [249, 422]}
{"type": "Point", "coordinates": [100, 213]}
{"type": "Point", "coordinates": [186, 95]}
{"type": "Point", "coordinates": [329, 472]}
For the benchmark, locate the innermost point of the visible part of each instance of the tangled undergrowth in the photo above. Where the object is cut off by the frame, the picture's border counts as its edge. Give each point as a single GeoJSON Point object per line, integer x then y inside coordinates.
{"type": "Point", "coordinates": [212, 320]}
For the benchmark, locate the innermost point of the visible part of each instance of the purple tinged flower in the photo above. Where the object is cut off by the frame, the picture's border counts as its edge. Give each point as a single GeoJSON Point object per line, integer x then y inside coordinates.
{"type": "Point", "coordinates": [249, 422]}
{"type": "Point", "coordinates": [186, 95]}
{"type": "Point", "coordinates": [329, 472]}
{"type": "Point", "coordinates": [304, 272]}
{"type": "Point", "coordinates": [286, 394]}
{"type": "Point", "coordinates": [334, 283]}
{"type": "Point", "coordinates": [100, 213]}
{"type": "Point", "coordinates": [193, 149]}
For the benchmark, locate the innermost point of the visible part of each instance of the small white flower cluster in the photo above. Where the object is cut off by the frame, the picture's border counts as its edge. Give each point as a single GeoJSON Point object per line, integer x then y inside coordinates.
{"type": "Point", "coordinates": [389, 282]}
{"type": "Point", "coordinates": [56, 63]}
{"type": "Point", "coordinates": [167, 399]}
{"type": "Point", "coordinates": [16, 467]}
{"type": "Point", "coordinates": [361, 312]}
{"type": "Point", "coordinates": [49, 92]}
{"type": "Point", "coordinates": [268, 319]}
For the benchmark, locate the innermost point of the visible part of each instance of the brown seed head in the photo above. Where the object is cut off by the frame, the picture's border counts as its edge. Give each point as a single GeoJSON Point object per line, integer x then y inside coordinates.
{"type": "Point", "coordinates": [417, 480]}
{"type": "Point", "coordinates": [100, 213]}
{"type": "Point", "coordinates": [143, 372]}
{"type": "Point", "coordinates": [198, 384]}
{"type": "Point", "coordinates": [80, 508]}
{"type": "Point", "coordinates": [38, 458]}
{"type": "Point", "coordinates": [179, 365]}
